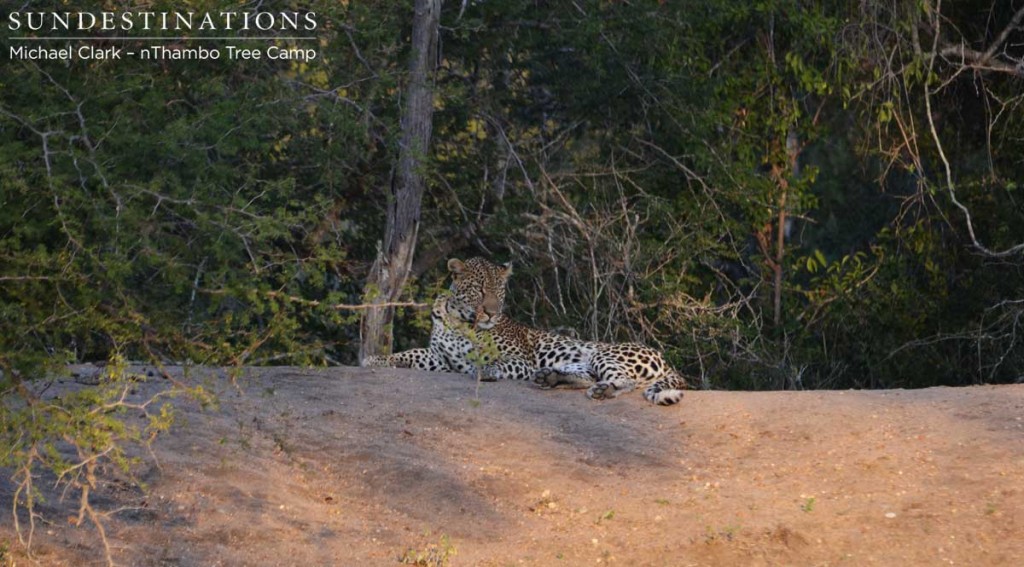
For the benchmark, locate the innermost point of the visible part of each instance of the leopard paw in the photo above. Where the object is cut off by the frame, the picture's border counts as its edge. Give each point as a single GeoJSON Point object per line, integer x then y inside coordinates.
{"type": "Point", "coordinates": [546, 378]}
{"type": "Point", "coordinates": [601, 391]}
{"type": "Point", "coordinates": [375, 361]}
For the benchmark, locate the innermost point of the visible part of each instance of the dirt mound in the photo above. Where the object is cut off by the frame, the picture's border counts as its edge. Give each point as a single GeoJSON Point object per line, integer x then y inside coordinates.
{"type": "Point", "coordinates": [350, 466]}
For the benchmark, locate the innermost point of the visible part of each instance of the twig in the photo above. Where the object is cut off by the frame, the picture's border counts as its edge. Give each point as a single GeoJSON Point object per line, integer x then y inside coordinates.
{"type": "Point", "coordinates": [318, 303]}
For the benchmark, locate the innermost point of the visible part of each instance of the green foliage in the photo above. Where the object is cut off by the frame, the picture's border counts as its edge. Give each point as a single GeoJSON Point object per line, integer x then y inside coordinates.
{"type": "Point", "coordinates": [78, 436]}
{"type": "Point", "coordinates": [485, 350]}
{"type": "Point", "coordinates": [202, 212]}
{"type": "Point", "coordinates": [629, 158]}
{"type": "Point", "coordinates": [638, 161]}
{"type": "Point", "coordinates": [165, 202]}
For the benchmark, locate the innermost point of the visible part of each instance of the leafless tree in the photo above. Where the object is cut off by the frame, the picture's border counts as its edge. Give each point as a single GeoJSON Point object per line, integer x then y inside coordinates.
{"type": "Point", "coordinates": [391, 269]}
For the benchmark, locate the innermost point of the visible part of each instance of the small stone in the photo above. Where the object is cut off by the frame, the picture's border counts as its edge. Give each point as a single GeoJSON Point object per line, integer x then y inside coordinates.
{"type": "Point", "coordinates": [890, 515]}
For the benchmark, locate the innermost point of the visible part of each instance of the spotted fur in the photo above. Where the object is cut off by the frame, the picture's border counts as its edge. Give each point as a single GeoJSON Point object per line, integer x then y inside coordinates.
{"type": "Point", "coordinates": [605, 369]}
{"type": "Point", "coordinates": [477, 295]}
{"type": "Point", "coordinates": [550, 360]}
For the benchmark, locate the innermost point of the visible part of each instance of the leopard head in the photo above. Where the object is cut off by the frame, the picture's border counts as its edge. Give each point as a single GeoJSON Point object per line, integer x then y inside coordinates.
{"type": "Point", "coordinates": [478, 290]}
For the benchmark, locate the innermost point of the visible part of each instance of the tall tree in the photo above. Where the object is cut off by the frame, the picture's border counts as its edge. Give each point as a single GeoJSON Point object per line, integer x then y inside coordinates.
{"type": "Point", "coordinates": [394, 258]}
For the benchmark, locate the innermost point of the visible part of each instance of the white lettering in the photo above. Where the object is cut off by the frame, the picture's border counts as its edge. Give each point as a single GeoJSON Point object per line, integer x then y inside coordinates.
{"type": "Point", "coordinates": [38, 24]}
{"type": "Point", "coordinates": [207, 23]}
{"type": "Point", "coordinates": [65, 23]}
{"type": "Point", "coordinates": [106, 21]}
{"type": "Point", "coordinates": [81, 21]}
{"type": "Point", "coordinates": [40, 52]}
{"type": "Point", "coordinates": [291, 53]}
{"type": "Point", "coordinates": [242, 53]}
{"type": "Point", "coordinates": [181, 54]}
{"type": "Point", "coordinates": [264, 24]}
{"type": "Point", "coordinates": [289, 21]}
{"type": "Point", "coordinates": [90, 52]}
{"type": "Point", "coordinates": [183, 20]}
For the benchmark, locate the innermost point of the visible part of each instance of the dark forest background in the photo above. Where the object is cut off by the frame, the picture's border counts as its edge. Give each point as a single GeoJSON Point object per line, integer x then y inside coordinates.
{"type": "Point", "coordinates": [778, 194]}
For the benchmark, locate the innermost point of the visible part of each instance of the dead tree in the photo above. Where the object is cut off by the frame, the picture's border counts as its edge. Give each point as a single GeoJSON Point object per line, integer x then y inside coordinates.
{"type": "Point", "coordinates": [390, 270]}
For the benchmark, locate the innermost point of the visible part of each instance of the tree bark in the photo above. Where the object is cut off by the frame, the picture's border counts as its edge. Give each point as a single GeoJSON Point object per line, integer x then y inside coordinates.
{"type": "Point", "coordinates": [782, 223]}
{"type": "Point", "coordinates": [390, 270]}
{"type": "Point", "coordinates": [793, 153]}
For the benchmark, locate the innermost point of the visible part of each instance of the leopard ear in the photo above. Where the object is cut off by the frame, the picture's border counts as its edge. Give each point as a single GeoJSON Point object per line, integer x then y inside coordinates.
{"type": "Point", "coordinates": [456, 266]}
{"type": "Point", "coordinates": [508, 269]}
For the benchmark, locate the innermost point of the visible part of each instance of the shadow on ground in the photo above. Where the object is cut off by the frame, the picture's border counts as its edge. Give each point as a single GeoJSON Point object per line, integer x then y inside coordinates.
{"type": "Point", "coordinates": [350, 466]}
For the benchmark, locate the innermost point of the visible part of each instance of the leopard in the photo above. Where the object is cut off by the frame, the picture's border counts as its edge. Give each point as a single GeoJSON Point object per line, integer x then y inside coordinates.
{"type": "Point", "coordinates": [432, 358]}
{"type": "Point", "coordinates": [475, 305]}
{"type": "Point", "coordinates": [477, 294]}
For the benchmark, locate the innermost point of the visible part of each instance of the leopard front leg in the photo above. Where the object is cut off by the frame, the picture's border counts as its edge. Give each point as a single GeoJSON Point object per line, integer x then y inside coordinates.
{"type": "Point", "coordinates": [417, 359]}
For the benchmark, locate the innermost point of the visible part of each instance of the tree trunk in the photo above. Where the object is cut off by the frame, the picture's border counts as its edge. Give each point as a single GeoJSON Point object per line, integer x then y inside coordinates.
{"type": "Point", "coordinates": [390, 270]}
{"type": "Point", "coordinates": [782, 230]}
{"type": "Point", "coordinates": [780, 251]}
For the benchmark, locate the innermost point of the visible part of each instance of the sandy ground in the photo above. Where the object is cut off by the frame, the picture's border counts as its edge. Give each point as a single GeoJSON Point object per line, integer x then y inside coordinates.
{"type": "Point", "coordinates": [350, 466]}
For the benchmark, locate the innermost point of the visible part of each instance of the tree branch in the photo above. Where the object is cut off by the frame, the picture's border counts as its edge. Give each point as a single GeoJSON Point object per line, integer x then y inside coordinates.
{"type": "Point", "coordinates": [950, 185]}
{"type": "Point", "coordinates": [977, 60]}
{"type": "Point", "coordinates": [318, 303]}
{"type": "Point", "coordinates": [987, 61]}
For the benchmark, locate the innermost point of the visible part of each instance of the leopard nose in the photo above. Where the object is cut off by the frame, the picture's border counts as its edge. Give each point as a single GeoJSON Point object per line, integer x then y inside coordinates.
{"type": "Point", "coordinates": [491, 306]}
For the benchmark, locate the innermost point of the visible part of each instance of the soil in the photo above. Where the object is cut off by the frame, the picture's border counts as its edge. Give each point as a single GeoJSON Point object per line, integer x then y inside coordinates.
{"type": "Point", "coordinates": [349, 466]}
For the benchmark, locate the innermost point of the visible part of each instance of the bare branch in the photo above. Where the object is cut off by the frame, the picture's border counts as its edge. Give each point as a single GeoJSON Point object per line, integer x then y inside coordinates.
{"type": "Point", "coordinates": [335, 306]}
{"type": "Point", "coordinates": [979, 61]}
{"type": "Point", "coordinates": [950, 185]}
{"type": "Point", "coordinates": [1015, 23]}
